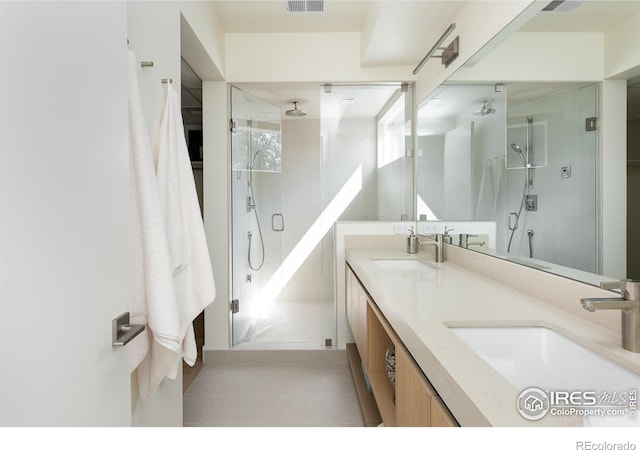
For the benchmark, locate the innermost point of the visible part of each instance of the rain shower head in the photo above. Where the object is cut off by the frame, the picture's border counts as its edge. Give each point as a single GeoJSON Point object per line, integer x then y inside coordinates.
{"type": "Point", "coordinates": [518, 150]}
{"type": "Point", "coordinates": [295, 112]}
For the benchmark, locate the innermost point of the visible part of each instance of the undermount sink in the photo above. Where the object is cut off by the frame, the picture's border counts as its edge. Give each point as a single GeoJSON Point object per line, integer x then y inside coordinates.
{"type": "Point", "coordinates": [542, 358]}
{"type": "Point", "coordinates": [400, 264]}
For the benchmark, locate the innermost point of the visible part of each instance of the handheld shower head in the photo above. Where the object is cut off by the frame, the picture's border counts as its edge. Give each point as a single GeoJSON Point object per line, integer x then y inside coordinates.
{"type": "Point", "coordinates": [518, 150]}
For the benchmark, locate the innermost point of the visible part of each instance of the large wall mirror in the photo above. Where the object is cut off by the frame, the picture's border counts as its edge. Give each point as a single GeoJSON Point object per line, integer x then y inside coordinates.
{"type": "Point", "coordinates": [540, 135]}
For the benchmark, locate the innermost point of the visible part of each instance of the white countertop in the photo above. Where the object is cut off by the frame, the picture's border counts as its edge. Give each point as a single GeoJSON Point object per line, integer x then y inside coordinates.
{"type": "Point", "coordinates": [421, 305]}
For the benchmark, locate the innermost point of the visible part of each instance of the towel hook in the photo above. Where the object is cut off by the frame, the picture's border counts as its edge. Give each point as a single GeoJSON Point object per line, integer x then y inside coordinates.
{"type": "Point", "coordinates": [167, 80]}
{"type": "Point", "coordinates": [146, 63]}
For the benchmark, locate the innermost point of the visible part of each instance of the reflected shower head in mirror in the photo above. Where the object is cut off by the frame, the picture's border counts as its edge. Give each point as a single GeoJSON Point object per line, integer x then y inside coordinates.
{"type": "Point", "coordinates": [518, 150]}
{"type": "Point", "coordinates": [486, 110]}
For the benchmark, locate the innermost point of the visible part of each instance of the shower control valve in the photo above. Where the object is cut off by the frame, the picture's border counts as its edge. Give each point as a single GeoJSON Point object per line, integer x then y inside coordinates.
{"type": "Point", "coordinates": [531, 202]}
{"type": "Point", "coordinates": [250, 204]}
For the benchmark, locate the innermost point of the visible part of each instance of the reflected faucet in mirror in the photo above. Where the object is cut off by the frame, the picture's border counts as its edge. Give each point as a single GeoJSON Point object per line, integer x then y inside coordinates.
{"type": "Point", "coordinates": [437, 241]}
{"type": "Point", "coordinates": [468, 240]}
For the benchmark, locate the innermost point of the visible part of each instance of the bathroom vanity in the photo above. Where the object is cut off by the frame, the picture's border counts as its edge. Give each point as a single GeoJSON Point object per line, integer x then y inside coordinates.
{"type": "Point", "coordinates": [410, 400]}
{"type": "Point", "coordinates": [419, 307]}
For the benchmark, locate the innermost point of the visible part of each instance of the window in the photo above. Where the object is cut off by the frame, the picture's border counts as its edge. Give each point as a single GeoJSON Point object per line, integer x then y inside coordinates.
{"type": "Point", "coordinates": [391, 133]}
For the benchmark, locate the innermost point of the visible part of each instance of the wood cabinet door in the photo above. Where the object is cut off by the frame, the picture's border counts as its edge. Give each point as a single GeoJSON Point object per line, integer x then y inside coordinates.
{"type": "Point", "coordinates": [356, 305]}
{"type": "Point", "coordinates": [413, 393]}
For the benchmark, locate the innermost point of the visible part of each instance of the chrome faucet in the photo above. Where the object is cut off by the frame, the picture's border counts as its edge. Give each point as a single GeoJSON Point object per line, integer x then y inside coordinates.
{"type": "Point", "coordinates": [465, 242]}
{"type": "Point", "coordinates": [438, 243]}
{"type": "Point", "coordinates": [448, 239]}
{"type": "Point", "coordinates": [628, 303]}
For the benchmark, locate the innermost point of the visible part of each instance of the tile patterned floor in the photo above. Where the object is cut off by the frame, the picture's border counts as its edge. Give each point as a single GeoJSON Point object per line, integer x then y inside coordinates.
{"type": "Point", "coordinates": [272, 395]}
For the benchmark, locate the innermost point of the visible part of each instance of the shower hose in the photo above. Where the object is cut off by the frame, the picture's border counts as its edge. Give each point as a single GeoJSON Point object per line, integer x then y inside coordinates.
{"type": "Point", "coordinates": [255, 214]}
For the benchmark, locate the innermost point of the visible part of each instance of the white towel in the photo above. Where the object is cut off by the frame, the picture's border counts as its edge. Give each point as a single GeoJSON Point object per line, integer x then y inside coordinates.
{"type": "Point", "coordinates": [155, 352]}
{"type": "Point", "coordinates": [190, 261]}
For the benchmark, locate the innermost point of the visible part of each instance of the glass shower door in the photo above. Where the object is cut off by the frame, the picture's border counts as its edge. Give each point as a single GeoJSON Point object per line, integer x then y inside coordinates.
{"type": "Point", "coordinates": [257, 222]}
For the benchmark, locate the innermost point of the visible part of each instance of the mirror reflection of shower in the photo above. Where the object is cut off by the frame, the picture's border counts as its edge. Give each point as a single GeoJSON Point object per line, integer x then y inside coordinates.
{"type": "Point", "coordinates": [251, 206]}
{"type": "Point", "coordinates": [526, 200]}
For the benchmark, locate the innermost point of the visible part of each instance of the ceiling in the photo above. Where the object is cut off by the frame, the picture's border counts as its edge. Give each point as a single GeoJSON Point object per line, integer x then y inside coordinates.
{"type": "Point", "coordinates": [588, 16]}
{"type": "Point", "coordinates": [393, 32]}
{"type": "Point", "coordinates": [390, 30]}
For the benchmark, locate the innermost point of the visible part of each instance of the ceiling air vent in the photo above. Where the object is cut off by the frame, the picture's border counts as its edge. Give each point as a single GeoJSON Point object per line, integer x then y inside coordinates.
{"type": "Point", "coordinates": [305, 6]}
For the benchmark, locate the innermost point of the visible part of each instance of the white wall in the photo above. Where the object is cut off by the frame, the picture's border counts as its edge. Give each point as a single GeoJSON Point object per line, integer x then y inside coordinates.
{"type": "Point", "coordinates": [205, 50]}
{"type": "Point", "coordinates": [542, 56]}
{"type": "Point", "coordinates": [318, 57]}
{"type": "Point", "coordinates": [216, 189]}
{"type": "Point", "coordinates": [613, 178]}
{"type": "Point", "coordinates": [621, 54]}
{"type": "Point", "coordinates": [154, 33]}
{"type": "Point", "coordinates": [528, 56]}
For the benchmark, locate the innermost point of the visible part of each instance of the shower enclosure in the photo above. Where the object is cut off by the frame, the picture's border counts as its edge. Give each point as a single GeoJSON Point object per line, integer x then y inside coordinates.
{"type": "Point", "coordinates": [555, 131]}
{"type": "Point", "coordinates": [292, 177]}
{"type": "Point", "coordinates": [523, 155]}
{"type": "Point", "coordinates": [257, 222]}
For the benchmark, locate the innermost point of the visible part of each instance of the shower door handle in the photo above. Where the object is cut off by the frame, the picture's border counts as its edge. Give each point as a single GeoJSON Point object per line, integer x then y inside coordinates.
{"type": "Point", "coordinates": [512, 227]}
{"type": "Point", "coordinates": [277, 222]}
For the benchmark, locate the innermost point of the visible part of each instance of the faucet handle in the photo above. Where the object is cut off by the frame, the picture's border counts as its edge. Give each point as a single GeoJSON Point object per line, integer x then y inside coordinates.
{"type": "Point", "coordinates": [612, 284]}
{"type": "Point", "coordinates": [629, 289]}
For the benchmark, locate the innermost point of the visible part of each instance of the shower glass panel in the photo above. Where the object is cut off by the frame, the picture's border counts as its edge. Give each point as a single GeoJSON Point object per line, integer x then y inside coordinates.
{"type": "Point", "coordinates": [461, 143]}
{"type": "Point", "coordinates": [523, 156]}
{"type": "Point", "coordinates": [554, 182]}
{"type": "Point", "coordinates": [257, 222]}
